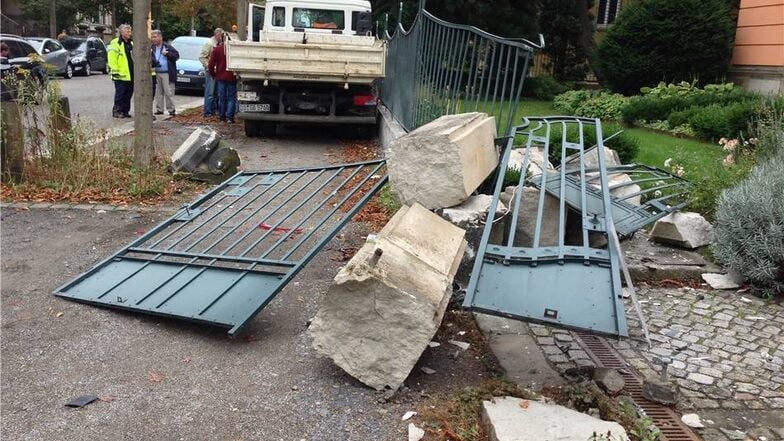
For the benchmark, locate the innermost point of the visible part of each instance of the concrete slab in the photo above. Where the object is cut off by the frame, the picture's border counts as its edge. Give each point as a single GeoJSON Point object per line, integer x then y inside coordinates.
{"type": "Point", "coordinates": [514, 419]}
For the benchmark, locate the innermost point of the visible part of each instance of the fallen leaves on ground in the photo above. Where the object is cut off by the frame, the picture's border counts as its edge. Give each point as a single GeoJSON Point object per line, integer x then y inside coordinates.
{"type": "Point", "coordinates": [156, 377]}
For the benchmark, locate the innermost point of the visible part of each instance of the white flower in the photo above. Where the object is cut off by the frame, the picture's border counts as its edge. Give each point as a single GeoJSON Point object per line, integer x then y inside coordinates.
{"type": "Point", "coordinates": [657, 193]}
{"type": "Point", "coordinates": [668, 162]}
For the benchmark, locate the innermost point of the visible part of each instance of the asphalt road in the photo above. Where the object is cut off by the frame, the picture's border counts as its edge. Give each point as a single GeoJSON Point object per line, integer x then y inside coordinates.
{"type": "Point", "coordinates": [93, 97]}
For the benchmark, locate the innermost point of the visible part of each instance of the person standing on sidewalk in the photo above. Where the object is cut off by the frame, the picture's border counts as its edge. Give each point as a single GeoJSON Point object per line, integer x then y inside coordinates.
{"type": "Point", "coordinates": [209, 81]}
{"type": "Point", "coordinates": [120, 60]}
{"type": "Point", "coordinates": [227, 83]}
{"type": "Point", "coordinates": [164, 62]}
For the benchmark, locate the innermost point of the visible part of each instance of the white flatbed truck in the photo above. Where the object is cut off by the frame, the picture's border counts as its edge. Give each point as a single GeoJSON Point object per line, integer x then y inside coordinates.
{"type": "Point", "coordinates": [310, 61]}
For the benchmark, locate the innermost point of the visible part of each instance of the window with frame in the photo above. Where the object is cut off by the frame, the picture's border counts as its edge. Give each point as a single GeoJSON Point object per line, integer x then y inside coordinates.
{"type": "Point", "coordinates": [279, 16]}
{"type": "Point", "coordinates": [307, 18]}
{"type": "Point", "coordinates": [607, 11]}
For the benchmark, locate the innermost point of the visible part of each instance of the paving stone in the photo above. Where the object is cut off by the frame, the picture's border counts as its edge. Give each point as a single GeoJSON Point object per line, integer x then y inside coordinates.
{"type": "Point", "coordinates": [545, 340]}
{"type": "Point", "coordinates": [713, 435]}
{"type": "Point", "coordinates": [552, 350]}
{"type": "Point", "coordinates": [560, 336]}
{"type": "Point", "coordinates": [540, 331]}
{"type": "Point", "coordinates": [722, 316]}
{"type": "Point", "coordinates": [700, 378]}
{"type": "Point", "coordinates": [715, 373]}
{"type": "Point", "coordinates": [747, 388]}
{"type": "Point", "coordinates": [702, 403]}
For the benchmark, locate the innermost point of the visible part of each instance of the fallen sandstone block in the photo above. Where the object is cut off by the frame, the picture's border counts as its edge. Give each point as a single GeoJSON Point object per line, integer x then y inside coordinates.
{"type": "Point", "coordinates": [441, 163]}
{"type": "Point", "coordinates": [514, 419]}
{"type": "Point", "coordinates": [194, 150]}
{"type": "Point", "coordinates": [686, 230]}
{"type": "Point", "coordinates": [387, 303]}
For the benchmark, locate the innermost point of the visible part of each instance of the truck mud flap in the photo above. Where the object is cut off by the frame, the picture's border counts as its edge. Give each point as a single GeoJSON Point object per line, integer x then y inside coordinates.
{"type": "Point", "coordinates": [527, 267]}
{"type": "Point", "coordinates": [221, 259]}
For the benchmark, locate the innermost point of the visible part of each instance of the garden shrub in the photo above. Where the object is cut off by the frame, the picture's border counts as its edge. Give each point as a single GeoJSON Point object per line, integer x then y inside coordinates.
{"type": "Point", "coordinates": [624, 144]}
{"type": "Point", "coordinates": [656, 104]}
{"type": "Point", "coordinates": [543, 88]}
{"type": "Point", "coordinates": [716, 121]}
{"type": "Point", "coordinates": [591, 104]}
{"type": "Point", "coordinates": [666, 40]}
{"type": "Point", "coordinates": [750, 226]}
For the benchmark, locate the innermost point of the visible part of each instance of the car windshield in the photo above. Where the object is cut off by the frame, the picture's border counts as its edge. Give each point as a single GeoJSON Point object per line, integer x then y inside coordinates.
{"type": "Point", "coordinates": [188, 50]}
{"type": "Point", "coordinates": [37, 44]}
{"type": "Point", "coordinates": [73, 44]}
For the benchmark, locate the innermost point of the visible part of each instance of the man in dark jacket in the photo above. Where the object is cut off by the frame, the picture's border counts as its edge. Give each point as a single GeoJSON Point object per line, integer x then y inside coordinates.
{"type": "Point", "coordinates": [164, 62]}
{"type": "Point", "coordinates": [227, 83]}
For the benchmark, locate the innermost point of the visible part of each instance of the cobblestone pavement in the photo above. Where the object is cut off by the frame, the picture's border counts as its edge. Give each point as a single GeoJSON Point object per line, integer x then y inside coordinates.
{"type": "Point", "coordinates": [727, 352]}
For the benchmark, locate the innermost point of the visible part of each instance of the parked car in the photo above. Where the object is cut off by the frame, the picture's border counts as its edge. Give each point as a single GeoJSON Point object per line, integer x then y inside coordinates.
{"type": "Point", "coordinates": [190, 72]}
{"type": "Point", "coordinates": [88, 55]}
{"type": "Point", "coordinates": [22, 56]}
{"type": "Point", "coordinates": [55, 55]}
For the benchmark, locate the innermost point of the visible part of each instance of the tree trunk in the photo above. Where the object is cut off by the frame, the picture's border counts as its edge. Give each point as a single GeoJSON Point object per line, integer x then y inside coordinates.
{"type": "Point", "coordinates": [143, 148]}
{"type": "Point", "coordinates": [114, 16]}
{"type": "Point", "coordinates": [242, 19]}
{"type": "Point", "coordinates": [52, 19]}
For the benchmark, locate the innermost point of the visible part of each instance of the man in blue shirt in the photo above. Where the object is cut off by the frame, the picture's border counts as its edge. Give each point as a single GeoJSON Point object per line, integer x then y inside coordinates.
{"type": "Point", "coordinates": [164, 62]}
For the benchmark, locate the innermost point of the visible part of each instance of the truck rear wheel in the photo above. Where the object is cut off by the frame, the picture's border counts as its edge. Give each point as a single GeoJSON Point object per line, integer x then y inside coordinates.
{"type": "Point", "coordinates": [269, 129]}
{"type": "Point", "coordinates": [252, 129]}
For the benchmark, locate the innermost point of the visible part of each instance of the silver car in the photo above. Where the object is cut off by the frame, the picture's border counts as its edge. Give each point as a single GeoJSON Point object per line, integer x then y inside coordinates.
{"type": "Point", "coordinates": [55, 55]}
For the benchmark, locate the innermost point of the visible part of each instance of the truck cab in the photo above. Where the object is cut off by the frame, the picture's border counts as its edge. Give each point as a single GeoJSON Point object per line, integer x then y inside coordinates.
{"type": "Point", "coordinates": [313, 61]}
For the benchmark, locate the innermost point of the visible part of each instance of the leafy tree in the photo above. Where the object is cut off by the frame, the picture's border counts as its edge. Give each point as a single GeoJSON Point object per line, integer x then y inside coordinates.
{"type": "Point", "coordinates": [507, 18]}
{"type": "Point", "coordinates": [201, 15]}
{"type": "Point", "coordinates": [67, 12]}
{"type": "Point", "coordinates": [568, 34]}
{"type": "Point", "coordinates": [666, 40]}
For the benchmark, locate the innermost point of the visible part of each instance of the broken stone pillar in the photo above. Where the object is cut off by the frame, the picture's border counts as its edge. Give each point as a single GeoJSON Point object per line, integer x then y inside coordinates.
{"type": "Point", "coordinates": [194, 150]}
{"type": "Point", "coordinates": [536, 160]}
{"type": "Point", "coordinates": [388, 301]}
{"type": "Point", "coordinates": [515, 419]}
{"type": "Point", "coordinates": [526, 221]}
{"type": "Point", "coordinates": [686, 230]}
{"type": "Point", "coordinates": [441, 163]}
{"type": "Point", "coordinates": [591, 159]}
{"type": "Point", "coordinates": [473, 211]}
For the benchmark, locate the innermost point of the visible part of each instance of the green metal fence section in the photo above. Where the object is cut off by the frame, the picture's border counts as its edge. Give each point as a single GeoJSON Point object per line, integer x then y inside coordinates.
{"type": "Point", "coordinates": [438, 68]}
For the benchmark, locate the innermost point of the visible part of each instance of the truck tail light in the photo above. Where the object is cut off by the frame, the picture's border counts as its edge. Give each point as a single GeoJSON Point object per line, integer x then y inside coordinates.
{"type": "Point", "coordinates": [365, 100]}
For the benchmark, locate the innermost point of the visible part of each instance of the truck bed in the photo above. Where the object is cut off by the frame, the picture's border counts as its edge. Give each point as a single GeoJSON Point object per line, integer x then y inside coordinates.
{"type": "Point", "coordinates": [282, 56]}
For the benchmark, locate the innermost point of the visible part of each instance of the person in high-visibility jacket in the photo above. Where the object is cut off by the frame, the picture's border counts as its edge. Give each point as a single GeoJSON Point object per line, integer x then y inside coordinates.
{"type": "Point", "coordinates": [121, 66]}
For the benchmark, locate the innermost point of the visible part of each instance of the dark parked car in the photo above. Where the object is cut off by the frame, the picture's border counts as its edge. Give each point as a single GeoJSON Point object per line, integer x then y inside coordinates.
{"type": "Point", "coordinates": [88, 55]}
{"type": "Point", "coordinates": [190, 72]}
{"type": "Point", "coordinates": [54, 54]}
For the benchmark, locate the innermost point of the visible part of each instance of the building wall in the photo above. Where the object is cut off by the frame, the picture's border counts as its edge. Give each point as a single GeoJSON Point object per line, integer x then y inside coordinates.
{"type": "Point", "coordinates": [760, 37]}
{"type": "Point", "coordinates": [758, 56]}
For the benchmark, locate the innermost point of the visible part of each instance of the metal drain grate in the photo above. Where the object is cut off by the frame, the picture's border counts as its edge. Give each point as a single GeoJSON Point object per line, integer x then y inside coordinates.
{"type": "Point", "coordinates": [604, 355]}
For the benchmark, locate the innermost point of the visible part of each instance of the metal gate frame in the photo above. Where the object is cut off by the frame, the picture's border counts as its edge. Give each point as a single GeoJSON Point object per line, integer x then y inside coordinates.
{"type": "Point", "coordinates": [222, 288]}
{"type": "Point", "coordinates": [531, 283]}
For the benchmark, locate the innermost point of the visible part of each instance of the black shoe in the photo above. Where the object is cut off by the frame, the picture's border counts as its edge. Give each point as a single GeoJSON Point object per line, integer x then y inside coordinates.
{"type": "Point", "coordinates": [223, 120]}
{"type": "Point", "coordinates": [127, 115]}
{"type": "Point", "coordinates": [172, 113]}
{"type": "Point", "coordinates": [117, 115]}
{"type": "Point", "coordinates": [158, 112]}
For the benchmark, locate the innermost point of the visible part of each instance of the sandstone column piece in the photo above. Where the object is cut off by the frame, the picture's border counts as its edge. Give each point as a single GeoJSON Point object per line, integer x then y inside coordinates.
{"type": "Point", "coordinates": [388, 301]}
{"type": "Point", "coordinates": [440, 164]}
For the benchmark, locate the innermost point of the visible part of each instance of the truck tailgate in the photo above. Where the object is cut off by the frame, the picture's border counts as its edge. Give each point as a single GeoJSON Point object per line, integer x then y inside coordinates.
{"type": "Point", "coordinates": [322, 58]}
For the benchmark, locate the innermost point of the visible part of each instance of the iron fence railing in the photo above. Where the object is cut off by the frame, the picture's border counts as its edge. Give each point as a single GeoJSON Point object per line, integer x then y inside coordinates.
{"type": "Point", "coordinates": [437, 68]}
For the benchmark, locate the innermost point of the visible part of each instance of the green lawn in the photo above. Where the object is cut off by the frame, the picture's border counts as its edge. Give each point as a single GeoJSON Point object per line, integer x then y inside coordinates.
{"type": "Point", "coordinates": [697, 157]}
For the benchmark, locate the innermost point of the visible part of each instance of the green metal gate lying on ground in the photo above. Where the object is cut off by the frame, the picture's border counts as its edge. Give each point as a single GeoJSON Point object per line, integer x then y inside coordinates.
{"type": "Point", "coordinates": [545, 279]}
{"type": "Point", "coordinates": [221, 259]}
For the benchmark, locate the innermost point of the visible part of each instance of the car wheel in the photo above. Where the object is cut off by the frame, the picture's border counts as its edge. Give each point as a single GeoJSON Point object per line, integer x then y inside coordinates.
{"type": "Point", "coordinates": [87, 69]}
{"type": "Point", "coordinates": [68, 71]}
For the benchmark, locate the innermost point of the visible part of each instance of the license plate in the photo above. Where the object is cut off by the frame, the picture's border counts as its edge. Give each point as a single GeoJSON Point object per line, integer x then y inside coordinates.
{"type": "Point", "coordinates": [247, 96]}
{"type": "Point", "coordinates": [254, 107]}
{"type": "Point", "coordinates": [183, 80]}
